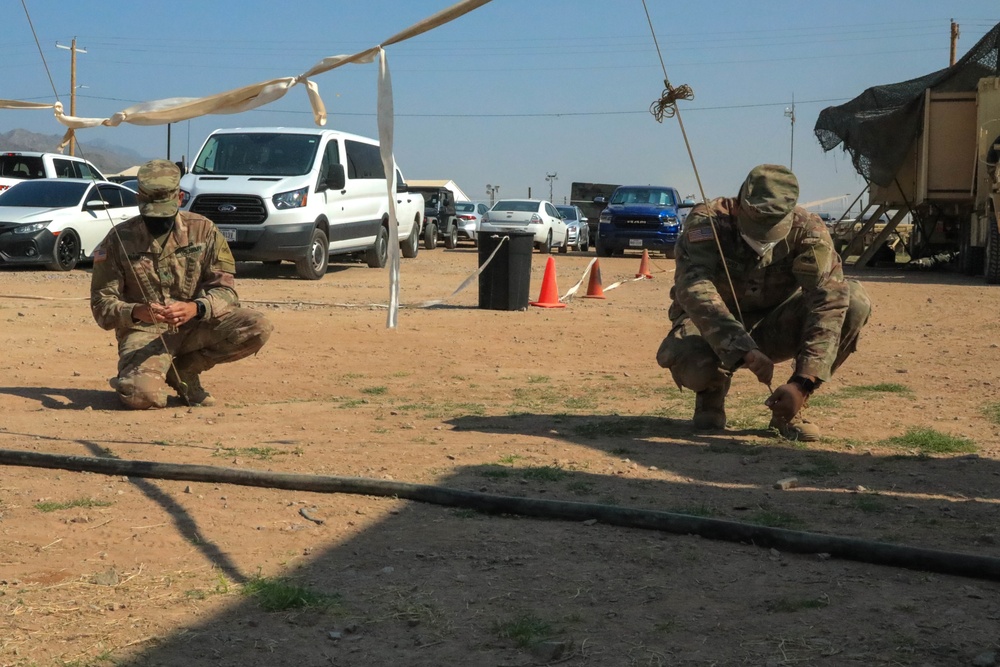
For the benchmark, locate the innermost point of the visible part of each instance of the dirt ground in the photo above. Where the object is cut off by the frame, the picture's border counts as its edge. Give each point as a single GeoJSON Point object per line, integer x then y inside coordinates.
{"type": "Point", "coordinates": [556, 404]}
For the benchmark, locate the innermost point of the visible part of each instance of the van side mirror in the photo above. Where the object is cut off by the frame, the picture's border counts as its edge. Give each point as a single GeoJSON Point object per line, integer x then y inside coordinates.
{"type": "Point", "coordinates": [335, 179]}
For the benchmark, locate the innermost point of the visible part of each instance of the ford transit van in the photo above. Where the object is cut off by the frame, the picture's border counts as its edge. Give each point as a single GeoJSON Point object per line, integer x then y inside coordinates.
{"type": "Point", "coordinates": [300, 195]}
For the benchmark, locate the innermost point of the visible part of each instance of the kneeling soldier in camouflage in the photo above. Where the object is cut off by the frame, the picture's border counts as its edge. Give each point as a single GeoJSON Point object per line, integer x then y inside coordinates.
{"type": "Point", "coordinates": [164, 281]}
{"type": "Point", "coordinates": [785, 297]}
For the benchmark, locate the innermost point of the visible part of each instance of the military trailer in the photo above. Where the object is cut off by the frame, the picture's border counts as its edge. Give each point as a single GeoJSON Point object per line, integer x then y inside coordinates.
{"type": "Point", "coordinates": [584, 195]}
{"type": "Point", "coordinates": [929, 149]}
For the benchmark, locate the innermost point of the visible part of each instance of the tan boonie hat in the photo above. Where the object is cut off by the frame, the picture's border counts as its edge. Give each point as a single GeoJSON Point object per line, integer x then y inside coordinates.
{"type": "Point", "coordinates": [159, 185]}
{"type": "Point", "coordinates": [767, 200]}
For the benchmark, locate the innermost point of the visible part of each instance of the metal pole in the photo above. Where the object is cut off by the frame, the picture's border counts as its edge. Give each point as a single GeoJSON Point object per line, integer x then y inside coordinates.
{"type": "Point", "coordinates": [72, 86]}
{"type": "Point", "coordinates": [790, 113]}
{"type": "Point", "coordinates": [954, 42]}
{"type": "Point", "coordinates": [168, 140]}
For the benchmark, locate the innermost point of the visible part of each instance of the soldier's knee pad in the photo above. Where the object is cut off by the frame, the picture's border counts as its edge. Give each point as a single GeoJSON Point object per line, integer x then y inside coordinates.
{"type": "Point", "coordinates": [142, 391]}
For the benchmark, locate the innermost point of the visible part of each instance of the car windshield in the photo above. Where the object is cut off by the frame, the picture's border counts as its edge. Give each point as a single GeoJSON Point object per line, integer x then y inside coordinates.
{"type": "Point", "coordinates": [655, 196]}
{"type": "Point", "coordinates": [13, 165]}
{"type": "Point", "coordinates": [257, 154]}
{"type": "Point", "coordinates": [567, 212]}
{"type": "Point", "coordinates": [465, 207]}
{"type": "Point", "coordinates": [44, 194]}
{"type": "Point", "coordinates": [516, 205]}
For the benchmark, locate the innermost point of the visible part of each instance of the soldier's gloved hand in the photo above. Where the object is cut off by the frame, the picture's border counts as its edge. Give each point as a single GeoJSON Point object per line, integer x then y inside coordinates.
{"type": "Point", "coordinates": [760, 365]}
{"type": "Point", "coordinates": [786, 401]}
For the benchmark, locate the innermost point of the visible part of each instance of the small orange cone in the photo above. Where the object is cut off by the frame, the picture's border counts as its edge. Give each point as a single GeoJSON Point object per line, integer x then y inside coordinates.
{"type": "Point", "coordinates": [644, 267]}
{"type": "Point", "coordinates": [594, 289]}
{"type": "Point", "coordinates": [549, 296]}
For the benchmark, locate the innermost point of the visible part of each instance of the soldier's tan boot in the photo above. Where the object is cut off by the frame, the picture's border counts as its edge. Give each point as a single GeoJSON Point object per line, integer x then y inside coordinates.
{"type": "Point", "coordinates": [798, 428]}
{"type": "Point", "coordinates": [187, 384]}
{"type": "Point", "coordinates": [710, 408]}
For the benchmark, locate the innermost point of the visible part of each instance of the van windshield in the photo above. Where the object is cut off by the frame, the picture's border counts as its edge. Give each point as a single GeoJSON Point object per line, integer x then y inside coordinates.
{"type": "Point", "coordinates": [257, 154]}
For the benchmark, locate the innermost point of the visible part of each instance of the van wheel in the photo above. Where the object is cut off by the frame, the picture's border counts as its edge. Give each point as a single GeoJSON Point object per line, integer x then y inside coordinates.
{"type": "Point", "coordinates": [411, 246]}
{"type": "Point", "coordinates": [377, 255]}
{"type": "Point", "coordinates": [451, 241]}
{"type": "Point", "coordinates": [430, 235]}
{"type": "Point", "coordinates": [313, 265]}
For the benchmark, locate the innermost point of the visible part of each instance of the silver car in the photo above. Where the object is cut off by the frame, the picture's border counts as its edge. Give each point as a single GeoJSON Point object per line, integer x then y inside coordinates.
{"type": "Point", "coordinates": [577, 229]}
{"type": "Point", "coordinates": [469, 214]}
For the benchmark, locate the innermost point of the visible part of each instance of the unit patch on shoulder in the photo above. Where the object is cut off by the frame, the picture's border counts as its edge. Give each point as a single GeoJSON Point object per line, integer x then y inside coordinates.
{"type": "Point", "coordinates": [700, 234]}
{"type": "Point", "coordinates": [100, 254]}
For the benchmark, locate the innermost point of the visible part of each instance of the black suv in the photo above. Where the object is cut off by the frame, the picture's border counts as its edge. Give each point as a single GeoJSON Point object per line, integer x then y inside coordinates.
{"type": "Point", "coordinates": [440, 221]}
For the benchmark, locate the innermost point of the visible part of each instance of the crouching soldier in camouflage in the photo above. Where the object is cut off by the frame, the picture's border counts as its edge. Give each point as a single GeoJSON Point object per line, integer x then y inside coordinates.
{"type": "Point", "coordinates": [164, 281]}
{"type": "Point", "coordinates": [788, 300]}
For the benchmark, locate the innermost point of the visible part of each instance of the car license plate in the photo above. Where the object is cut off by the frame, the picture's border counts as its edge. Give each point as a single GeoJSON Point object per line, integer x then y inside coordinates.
{"type": "Point", "coordinates": [635, 243]}
{"type": "Point", "coordinates": [228, 234]}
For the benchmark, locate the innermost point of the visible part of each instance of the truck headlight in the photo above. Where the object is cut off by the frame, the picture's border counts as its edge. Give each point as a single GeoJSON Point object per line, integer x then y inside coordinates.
{"type": "Point", "coordinates": [293, 199]}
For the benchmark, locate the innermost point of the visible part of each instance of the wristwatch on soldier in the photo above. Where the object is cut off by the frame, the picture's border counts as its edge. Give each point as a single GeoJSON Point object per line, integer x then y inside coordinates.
{"type": "Point", "coordinates": [807, 385]}
{"type": "Point", "coordinates": [200, 315]}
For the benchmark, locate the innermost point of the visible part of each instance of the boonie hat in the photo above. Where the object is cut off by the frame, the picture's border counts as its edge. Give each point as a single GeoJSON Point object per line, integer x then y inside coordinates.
{"type": "Point", "coordinates": [159, 185]}
{"type": "Point", "coordinates": [767, 201]}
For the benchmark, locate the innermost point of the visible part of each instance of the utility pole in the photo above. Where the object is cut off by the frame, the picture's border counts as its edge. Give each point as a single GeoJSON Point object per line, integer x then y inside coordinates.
{"type": "Point", "coordinates": [72, 86]}
{"type": "Point", "coordinates": [551, 178]}
{"type": "Point", "coordinates": [492, 191]}
{"type": "Point", "coordinates": [954, 42]}
{"type": "Point", "coordinates": [790, 114]}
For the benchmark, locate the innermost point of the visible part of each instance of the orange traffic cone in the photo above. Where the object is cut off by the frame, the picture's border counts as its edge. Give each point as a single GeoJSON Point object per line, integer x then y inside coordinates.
{"type": "Point", "coordinates": [594, 289]}
{"type": "Point", "coordinates": [644, 267]}
{"type": "Point", "coordinates": [549, 296]}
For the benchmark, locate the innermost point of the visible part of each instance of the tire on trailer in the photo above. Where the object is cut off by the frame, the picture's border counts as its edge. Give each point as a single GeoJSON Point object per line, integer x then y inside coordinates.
{"type": "Point", "coordinates": [993, 250]}
{"type": "Point", "coordinates": [313, 265]}
{"type": "Point", "coordinates": [378, 254]}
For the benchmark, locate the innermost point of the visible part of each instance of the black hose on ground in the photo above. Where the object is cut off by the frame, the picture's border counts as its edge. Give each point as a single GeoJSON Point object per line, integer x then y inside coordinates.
{"type": "Point", "coordinates": [793, 541]}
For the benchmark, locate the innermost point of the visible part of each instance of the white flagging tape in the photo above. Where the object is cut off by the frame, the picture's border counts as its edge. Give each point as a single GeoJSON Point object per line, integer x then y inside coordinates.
{"type": "Point", "coordinates": [573, 290]}
{"type": "Point", "coordinates": [467, 281]}
{"type": "Point", "coordinates": [423, 304]}
{"type": "Point", "coordinates": [586, 273]}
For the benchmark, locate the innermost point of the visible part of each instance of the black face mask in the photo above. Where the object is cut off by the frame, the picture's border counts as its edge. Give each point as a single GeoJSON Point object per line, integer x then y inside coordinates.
{"type": "Point", "coordinates": [158, 226]}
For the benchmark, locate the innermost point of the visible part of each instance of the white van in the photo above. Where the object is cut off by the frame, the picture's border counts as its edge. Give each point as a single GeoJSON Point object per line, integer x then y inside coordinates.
{"type": "Point", "coordinates": [300, 195]}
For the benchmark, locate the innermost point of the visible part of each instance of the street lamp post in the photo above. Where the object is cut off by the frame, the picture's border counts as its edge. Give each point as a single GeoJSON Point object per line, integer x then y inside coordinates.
{"type": "Point", "coordinates": [790, 114]}
{"type": "Point", "coordinates": [551, 178]}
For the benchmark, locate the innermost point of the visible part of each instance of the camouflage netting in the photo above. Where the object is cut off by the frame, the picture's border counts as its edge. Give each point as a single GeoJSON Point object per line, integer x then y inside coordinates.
{"type": "Point", "coordinates": [878, 126]}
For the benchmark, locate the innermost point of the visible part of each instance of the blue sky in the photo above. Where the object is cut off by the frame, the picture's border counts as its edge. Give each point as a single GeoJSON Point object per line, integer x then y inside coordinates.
{"type": "Point", "coordinates": [510, 92]}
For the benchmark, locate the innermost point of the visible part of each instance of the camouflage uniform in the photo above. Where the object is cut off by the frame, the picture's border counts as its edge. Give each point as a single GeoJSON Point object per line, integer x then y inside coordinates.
{"type": "Point", "coordinates": [194, 264]}
{"type": "Point", "coordinates": [795, 301]}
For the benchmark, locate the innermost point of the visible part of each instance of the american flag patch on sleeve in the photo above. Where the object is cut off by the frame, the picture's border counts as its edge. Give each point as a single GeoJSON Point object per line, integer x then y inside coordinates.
{"type": "Point", "coordinates": [100, 254]}
{"type": "Point", "coordinates": [700, 234]}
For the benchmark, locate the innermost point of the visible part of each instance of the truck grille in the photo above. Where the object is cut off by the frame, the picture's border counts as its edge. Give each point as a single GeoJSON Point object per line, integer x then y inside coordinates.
{"type": "Point", "coordinates": [636, 221]}
{"type": "Point", "coordinates": [231, 209]}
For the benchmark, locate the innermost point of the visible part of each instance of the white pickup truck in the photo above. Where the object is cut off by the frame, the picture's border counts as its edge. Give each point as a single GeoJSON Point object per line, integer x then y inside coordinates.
{"type": "Point", "coordinates": [17, 166]}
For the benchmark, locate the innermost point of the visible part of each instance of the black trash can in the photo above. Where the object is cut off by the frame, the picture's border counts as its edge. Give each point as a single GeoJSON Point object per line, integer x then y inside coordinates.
{"type": "Point", "coordinates": [503, 285]}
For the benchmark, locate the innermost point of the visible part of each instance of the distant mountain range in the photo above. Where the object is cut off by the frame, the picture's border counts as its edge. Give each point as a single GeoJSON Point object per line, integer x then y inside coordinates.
{"type": "Point", "coordinates": [109, 158]}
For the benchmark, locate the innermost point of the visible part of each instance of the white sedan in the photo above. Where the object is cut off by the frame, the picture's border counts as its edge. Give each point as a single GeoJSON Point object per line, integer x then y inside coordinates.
{"type": "Point", "coordinates": [58, 222]}
{"type": "Point", "coordinates": [528, 215]}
